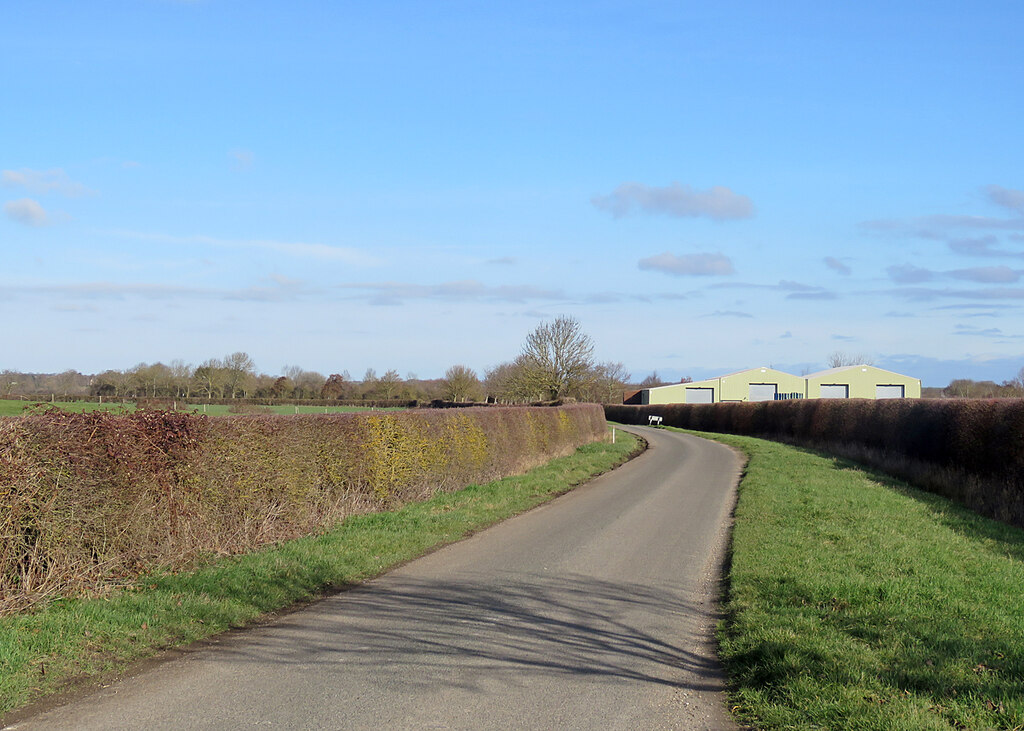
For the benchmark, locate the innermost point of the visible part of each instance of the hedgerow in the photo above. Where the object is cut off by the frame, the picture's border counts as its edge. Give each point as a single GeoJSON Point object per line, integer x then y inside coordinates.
{"type": "Point", "coordinates": [970, 450]}
{"type": "Point", "coordinates": [90, 501]}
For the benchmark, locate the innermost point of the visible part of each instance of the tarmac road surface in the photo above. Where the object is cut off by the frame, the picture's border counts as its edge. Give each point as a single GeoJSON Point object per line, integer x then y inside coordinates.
{"type": "Point", "coordinates": [595, 611]}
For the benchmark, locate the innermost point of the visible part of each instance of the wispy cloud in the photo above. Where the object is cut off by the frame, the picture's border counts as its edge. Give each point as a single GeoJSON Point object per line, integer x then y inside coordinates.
{"type": "Point", "coordinates": [465, 290]}
{"type": "Point", "coordinates": [324, 252]}
{"type": "Point", "coordinates": [688, 264]}
{"type": "Point", "coordinates": [1006, 197]}
{"type": "Point", "coordinates": [241, 159]}
{"type": "Point", "coordinates": [836, 265]}
{"type": "Point", "coordinates": [988, 332]}
{"type": "Point", "coordinates": [987, 275]}
{"type": "Point", "coordinates": [41, 182]}
{"type": "Point", "coordinates": [796, 290]}
{"type": "Point", "coordinates": [26, 211]}
{"type": "Point", "coordinates": [940, 226]}
{"type": "Point", "coordinates": [990, 293]}
{"type": "Point", "coordinates": [728, 313]}
{"type": "Point", "coordinates": [909, 274]}
{"type": "Point", "coordinates": [276, 289]}
{"type": "Point", "coordinates": [823, 295]}
{"type": "Point", "coordinates": [980, 246]}
{"type": "Point", "coordinates": [681, 201]}
{"type": "Point", "coordinates": [986, 306]}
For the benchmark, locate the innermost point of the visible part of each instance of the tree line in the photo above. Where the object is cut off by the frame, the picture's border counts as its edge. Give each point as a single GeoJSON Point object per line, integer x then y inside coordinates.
{"type": "Point", "coordinates": [556, 362]}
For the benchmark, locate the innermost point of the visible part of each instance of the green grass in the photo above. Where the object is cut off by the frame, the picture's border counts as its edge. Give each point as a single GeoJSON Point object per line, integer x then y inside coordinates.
{"type": "Point", "coordinates": [13, 407]}
{"type": "Point", "coordinates": [856, 602]}
{"type": "Point", "coordinates": [71, 639]}
{"type": "Point", "coordinates": [283, 410]}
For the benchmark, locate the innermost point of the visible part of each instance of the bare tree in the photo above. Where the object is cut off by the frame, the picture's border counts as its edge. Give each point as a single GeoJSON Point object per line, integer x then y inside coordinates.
{"type": "Point", "coordinates": [8, 381]}
{"type": "Point", "coordinates": [240, 370]}
{"type": "Point", "coordinates": [459, 383]}
{"type": "Point", "coordinates": [557, 358]}
{"type": "Point", "coordinates": [181, 377]}
{"type": "Point", "coordinates": [308, 384]}
{"type": "Point", "coordinates": [653, 381]}
{"type": "Point", "coordinates": [840, 359]}
{"type": "Point", "coordinates": [610, 380]}
{"type": "Point", "coordinates": [389, 384]}
{"type": "Point", "coordinates": [210, 377]}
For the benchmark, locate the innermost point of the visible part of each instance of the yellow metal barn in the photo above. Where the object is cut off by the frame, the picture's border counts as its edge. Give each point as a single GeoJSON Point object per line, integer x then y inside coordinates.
{"type": "Point", "coordinates": [861, 381]}
{"type": "Point", "coordinates": [753, 384]}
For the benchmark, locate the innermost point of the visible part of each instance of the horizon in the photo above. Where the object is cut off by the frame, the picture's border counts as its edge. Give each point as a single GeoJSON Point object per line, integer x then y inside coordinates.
{"type": "Point", "coordinates": [411, 187]}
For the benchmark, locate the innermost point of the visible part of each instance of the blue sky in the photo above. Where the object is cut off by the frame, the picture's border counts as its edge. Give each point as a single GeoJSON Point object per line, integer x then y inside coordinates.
{"type": "Point", "coordinates": [706, 187]}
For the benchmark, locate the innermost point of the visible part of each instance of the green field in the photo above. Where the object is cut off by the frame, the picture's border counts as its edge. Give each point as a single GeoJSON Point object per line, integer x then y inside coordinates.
{"type": "Point", "coordinates": [857, 602]}
{"type": "Point", "coordinates": [11, 407]}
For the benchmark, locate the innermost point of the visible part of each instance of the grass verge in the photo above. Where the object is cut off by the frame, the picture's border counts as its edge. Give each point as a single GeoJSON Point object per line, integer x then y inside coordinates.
{"type": "Point", "coordinates": [857, 602]}
{"type": "Point", "coordinates": [73, 639]}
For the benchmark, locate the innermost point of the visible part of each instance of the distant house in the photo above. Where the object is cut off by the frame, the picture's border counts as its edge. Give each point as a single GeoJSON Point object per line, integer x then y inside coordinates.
{"type": "Point", "coordinates": [768, 384]}
{"type": "Point", "coordinates": [753, 384]}
{"type": "Point", "coordinates": [861, 381]}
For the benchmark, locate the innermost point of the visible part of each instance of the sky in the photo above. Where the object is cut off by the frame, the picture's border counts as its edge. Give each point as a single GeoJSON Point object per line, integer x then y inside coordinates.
{"type": "Point", "coordinates": [706, 187]}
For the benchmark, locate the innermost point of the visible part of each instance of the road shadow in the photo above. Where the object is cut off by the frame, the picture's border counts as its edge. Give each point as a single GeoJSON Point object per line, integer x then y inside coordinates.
{"type": "Point", "coordinates": [416, 632]}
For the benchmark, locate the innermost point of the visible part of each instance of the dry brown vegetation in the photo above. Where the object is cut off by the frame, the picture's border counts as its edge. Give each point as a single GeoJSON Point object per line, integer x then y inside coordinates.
{"type": "Point", "coordinates": [90, 501]}
{"type": "Point", "coordinates": [971, 451]}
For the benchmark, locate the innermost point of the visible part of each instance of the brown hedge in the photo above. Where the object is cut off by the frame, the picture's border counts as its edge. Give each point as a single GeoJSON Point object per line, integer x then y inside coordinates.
{"type": "Point", "coordinates": [969, 450]}
{"type": "Point", "coordinates": [90, 500]}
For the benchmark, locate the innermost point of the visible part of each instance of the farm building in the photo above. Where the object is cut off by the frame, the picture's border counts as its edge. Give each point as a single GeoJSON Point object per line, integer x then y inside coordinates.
{"type": "Point", "coordinates": [753, 384]}
{"type": "Point", "coordinates": [861, 381]}
{"type": "Point", "coordinates": [768, 384]}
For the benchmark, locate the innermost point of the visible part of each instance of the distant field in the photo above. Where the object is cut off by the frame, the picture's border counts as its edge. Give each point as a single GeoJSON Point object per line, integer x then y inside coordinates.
{"type": "Point", "coordinates": [221, 410]}
{"type": "Point", "coordinates": [11, 407]}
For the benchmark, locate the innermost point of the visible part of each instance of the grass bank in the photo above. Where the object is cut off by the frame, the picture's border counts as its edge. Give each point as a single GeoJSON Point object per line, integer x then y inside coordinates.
{"type": "Point", "coordinates": [857, 602]}
{"type": "Point", "coordinates": [72, 639]}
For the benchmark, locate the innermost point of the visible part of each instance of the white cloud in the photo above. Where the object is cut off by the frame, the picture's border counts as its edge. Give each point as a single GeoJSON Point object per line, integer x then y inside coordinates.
{"type": "Point", "coordinates": [823, 295]}
{"type": "Point", "coordinates": [41, 182]}
{"type": "Point", "coordinates": [995, 293]}
{"type": "Point", "coordinates": [26, 211]}
{"type": "Point", "coordinates": [285, 290]}
{"type": "Point", "coordinates": [990, 332]}
{"type": "Point", "coordinates": [689, 264]}
{"type": "Point", "coordinates": [987, 275]}
{"type": "Point", "coordinates": [909, 274]}
{"type": "Point", "coordinates": [295, 249]}
{"type": "Point", "coordinates": [940, 226]}
{"type": "Point", "coordinates": [979, 246]}
{"type": "Point", "coordinates": [241, 159]}
{"type": "Point", "coordinates": [728, 313]}
{"type": "Point", "coordinates": [681, 201]}
{"type": "Point", "coordinates": [1006, 197]}
{"type": "Point", "coordinates": [836, 265]}
{"type": "Point", "coordinates": [784, 285]}
{"type": "Point", "coordinates": [464, 290]}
